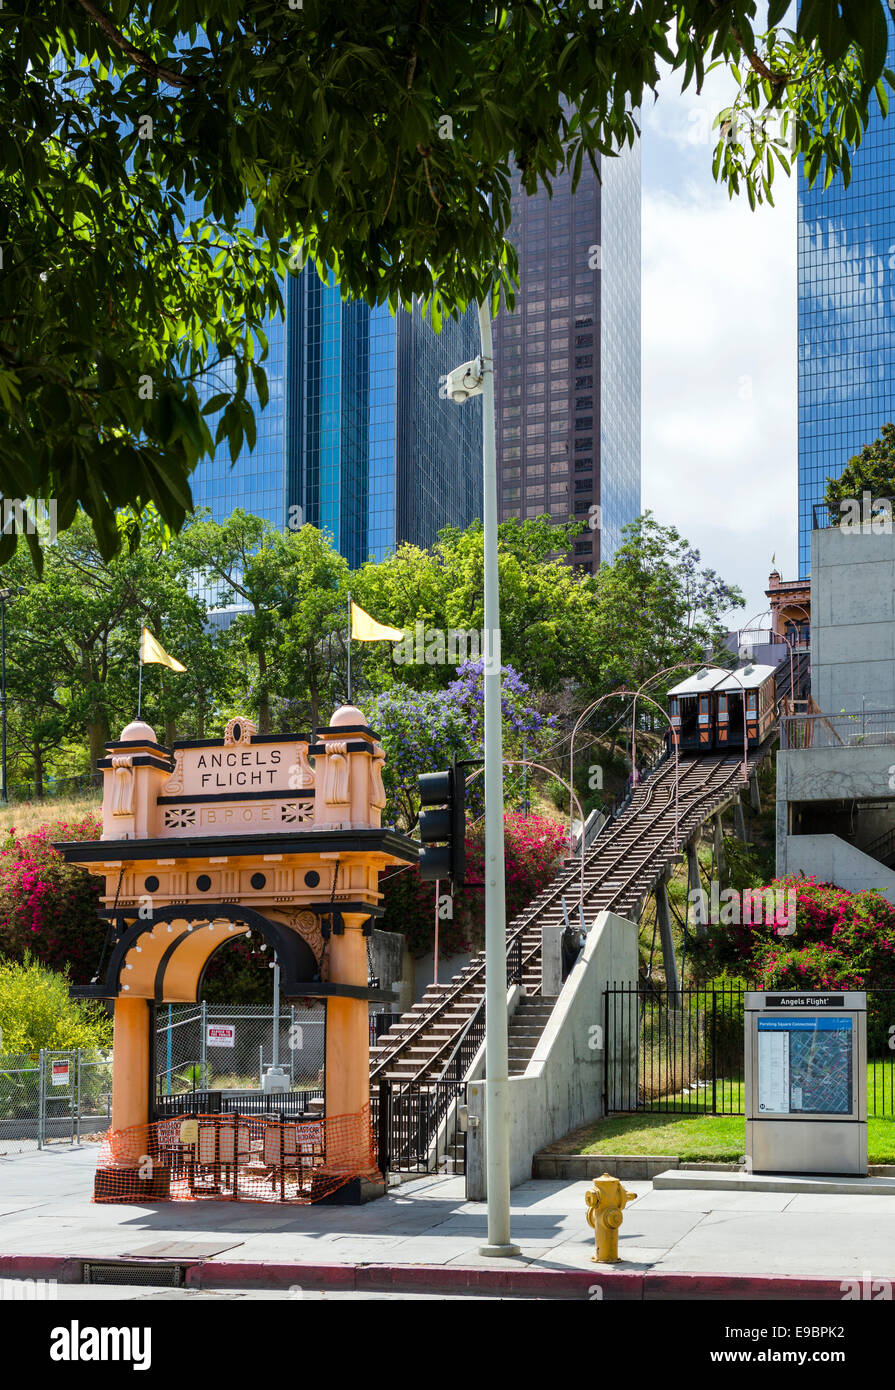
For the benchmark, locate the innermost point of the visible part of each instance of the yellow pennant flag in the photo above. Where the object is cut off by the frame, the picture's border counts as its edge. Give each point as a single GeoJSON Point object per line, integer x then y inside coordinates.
{"type": "Point", "coordinates": [366, 629]}
{"type": "Point", "coordinates": [152, 652]}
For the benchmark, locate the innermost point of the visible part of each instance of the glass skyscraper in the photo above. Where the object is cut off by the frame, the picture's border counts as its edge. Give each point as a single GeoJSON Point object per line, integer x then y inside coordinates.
{"type": "Point", "coordinates": [375, 451]}
{"type": "Point", "coordinates": [567, 360]}
{"type": "Point", "coordinates": [846, 259]}
{"type": "Point", "coordinates": [357, 433]}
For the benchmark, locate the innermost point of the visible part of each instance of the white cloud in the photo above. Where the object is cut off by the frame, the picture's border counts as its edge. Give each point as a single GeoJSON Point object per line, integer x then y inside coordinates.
{"type": "Point", "coordinates": [719, 358]}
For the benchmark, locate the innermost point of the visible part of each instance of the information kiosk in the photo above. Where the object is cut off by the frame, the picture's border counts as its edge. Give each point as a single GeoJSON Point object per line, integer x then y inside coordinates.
{"type": "Point", "coordinates": [806, 1082]}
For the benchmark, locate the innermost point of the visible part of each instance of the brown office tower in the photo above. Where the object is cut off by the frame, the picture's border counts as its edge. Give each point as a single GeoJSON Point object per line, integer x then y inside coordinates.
{"type": "Point", "coordinates": [567, 360]}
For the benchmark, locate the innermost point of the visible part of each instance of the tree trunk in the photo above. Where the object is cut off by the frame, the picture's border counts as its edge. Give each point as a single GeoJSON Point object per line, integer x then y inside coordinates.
{"type": "Point", "coordinates": [38, 773]}
{"type": "Point", "coordinates": [263, 701]}
{"type": "Point", "coordinates": [97, 737]}
{"type": "Point", "coordinates": [315, 707]}
{"type": "Point", "coordinates": [170, 731]}
{"type": "Point", "coordinates": [200, 719]}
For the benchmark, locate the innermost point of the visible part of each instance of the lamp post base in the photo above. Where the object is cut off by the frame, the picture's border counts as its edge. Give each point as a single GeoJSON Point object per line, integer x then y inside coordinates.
{"type": "Point", "coordinates": [499, 1252]}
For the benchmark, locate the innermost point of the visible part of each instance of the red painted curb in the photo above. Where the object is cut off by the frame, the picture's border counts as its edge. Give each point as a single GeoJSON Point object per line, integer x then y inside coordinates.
{"type": "Point", "coordinates": [595, 1285]}
{"type": "Point", "coordinates": [255, 1274]}
{"type": "Point", "coordinates": [63, 1268]}
{"type": "Point", "coordinates": [786, 1287]}
{"type": "Point", "coordinates": [561, 1283]}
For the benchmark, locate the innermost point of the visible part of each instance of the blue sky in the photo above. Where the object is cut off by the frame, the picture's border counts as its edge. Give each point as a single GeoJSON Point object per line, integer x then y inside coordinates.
{"type": "Point", "coordinates": [719, 350]}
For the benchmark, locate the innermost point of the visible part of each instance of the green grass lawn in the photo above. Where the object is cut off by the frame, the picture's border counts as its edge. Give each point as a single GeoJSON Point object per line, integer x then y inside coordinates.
{"type": "Point", "coordinates": [705, 1138]}
{"type": "Point", "coordinates": [695, 1136]}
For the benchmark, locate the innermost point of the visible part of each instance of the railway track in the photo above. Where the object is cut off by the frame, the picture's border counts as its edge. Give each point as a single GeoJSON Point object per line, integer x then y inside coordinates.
{"type": "Point", "coordinates": [621, 867]}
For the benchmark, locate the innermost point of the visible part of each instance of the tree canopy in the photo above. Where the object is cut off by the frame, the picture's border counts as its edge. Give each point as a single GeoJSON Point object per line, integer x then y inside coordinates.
{"type": "Point", "coordinates": [872, 470]}
{"type": "Point", "coordinates": [167, 163]}
{"type": "Point", "coordinates": [259, 619]}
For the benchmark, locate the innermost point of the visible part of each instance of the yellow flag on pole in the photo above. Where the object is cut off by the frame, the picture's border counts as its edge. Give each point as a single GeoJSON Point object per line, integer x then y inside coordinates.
{"type": "Point", "coordinates": [152, 652]}
{"type": "Point", "coordinates": [366, 629]}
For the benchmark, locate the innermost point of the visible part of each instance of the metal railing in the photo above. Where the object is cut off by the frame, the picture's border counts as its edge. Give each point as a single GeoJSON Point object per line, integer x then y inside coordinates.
{"type": "Point", "coordinates": [418, 1126]}
{"type": "Point", "coordinates": [882, 848]}
{"type": "Point", "coordinates": [288, 1104]}
{"type": "Point", "coordinates": [848, 729]}
{"type": "Point", "coordinates": [56, 788]}
{"type": "Point", "coordinates": [684, 1054]}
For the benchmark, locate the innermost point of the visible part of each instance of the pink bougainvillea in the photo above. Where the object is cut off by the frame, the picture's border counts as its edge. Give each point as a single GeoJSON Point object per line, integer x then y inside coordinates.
{"type": "Point", "coordinates": [842, 940]}
{"type": "Point", "coordinates": [49, 907]}
{"type": "Point", "coordinates": [534, 847]}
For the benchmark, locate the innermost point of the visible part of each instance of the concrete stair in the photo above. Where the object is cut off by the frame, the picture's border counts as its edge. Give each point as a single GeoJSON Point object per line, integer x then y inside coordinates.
{"type": "Point", "coordinates": [525, 1030]}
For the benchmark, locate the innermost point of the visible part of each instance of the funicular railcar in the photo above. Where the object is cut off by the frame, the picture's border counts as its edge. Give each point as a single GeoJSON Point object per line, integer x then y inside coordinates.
{"type": "Point", "coordinates": [706, 709]}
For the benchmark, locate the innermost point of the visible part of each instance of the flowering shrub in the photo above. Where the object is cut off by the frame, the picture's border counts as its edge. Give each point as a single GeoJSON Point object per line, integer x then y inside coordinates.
{"type": "Point", "coordinates": [49, 908]}
{"type": "Point", "coordinates": [842, 940]}
{"type": "Point", "coordinates": [422, 730]}
{"type": "Point", "coordinates": [534, 846]}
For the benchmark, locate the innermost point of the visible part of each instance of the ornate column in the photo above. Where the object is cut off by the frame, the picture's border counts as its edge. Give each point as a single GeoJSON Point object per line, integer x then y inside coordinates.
{"type": "Point", "coordinates": [134, 772]}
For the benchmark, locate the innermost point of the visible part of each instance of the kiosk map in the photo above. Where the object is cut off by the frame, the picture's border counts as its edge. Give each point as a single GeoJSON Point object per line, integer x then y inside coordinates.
{"type": "Point", "coordinates": [805, 1066]}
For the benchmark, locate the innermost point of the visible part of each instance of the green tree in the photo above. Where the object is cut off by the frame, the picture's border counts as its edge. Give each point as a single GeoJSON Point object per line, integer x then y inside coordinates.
{"type": "Point", "coordinates": [42, 721]}
{"type": "Point", "coordinates": [291, 589]}
{"type": "Point", "coordinates": [312, 658]}
{"type": "Point", "coordinates": [546, 609]}
{"type": "Point", "coordinates": [657, 604]}
{"type": "Point", "coordinates": [36, 1011]}
{"type": "Point", "coordinates": [378, 144]}
{"type": "Point", "coordinates": [872, 470]}
{"type": "Point", "coordinates": [75, 644]}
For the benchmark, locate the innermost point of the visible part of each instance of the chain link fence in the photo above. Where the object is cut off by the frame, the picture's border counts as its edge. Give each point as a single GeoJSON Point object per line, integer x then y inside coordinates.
{"type": "Point", "coordinates": [61, 1096]}
{"type": "Point", "coordinates": [53, 1097]}
{"type": "Point", "coordinates": [228, 1047]}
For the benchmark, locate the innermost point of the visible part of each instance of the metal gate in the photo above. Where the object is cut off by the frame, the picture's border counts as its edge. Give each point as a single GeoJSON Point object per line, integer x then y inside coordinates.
{"type": "Point", "coordinates": [417, 1126]}
{"type": "Point", "coordinates": [54, 1096]}
{"type": "Point", "coordinates": [682, 1051]}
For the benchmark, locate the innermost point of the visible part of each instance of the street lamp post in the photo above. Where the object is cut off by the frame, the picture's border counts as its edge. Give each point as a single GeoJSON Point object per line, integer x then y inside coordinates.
{"type": "Point", "coordinates": [472, 379]}
{"type": "Point", "coordinates": [5, 596]}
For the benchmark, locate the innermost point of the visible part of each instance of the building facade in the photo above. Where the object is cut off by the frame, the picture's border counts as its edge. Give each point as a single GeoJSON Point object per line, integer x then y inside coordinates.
{"type": "Point", "coordinates": [567, 360]}
{"type": "Point", "coordinates": [846, 258]}
{"type": "Point", "coordinates": [358, 437]}
{"type": "Point", "coordinates": [834, 769]}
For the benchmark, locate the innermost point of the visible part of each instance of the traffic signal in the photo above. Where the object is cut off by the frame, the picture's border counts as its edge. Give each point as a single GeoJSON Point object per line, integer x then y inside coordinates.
{"type": "Point", "coordinates": [443, 830]}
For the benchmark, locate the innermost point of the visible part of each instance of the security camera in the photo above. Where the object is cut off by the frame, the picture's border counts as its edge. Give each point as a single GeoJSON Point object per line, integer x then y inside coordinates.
{"type": "Point", "coordinates": [467, 380]}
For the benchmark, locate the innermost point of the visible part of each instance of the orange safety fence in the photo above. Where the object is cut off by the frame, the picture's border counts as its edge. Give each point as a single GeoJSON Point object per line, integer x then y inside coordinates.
{"type": "Point", "coordinates": [230, 1158]}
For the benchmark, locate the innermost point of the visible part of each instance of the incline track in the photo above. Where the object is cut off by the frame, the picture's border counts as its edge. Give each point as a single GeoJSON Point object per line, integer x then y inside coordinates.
{"type": "Point", "coordinates": [621, 867]}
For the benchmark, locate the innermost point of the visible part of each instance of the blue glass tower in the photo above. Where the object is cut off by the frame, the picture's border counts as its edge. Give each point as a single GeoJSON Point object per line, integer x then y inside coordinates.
{"type": "Point", "coordinates": [374, 451]}
{"type": "Point", "coordinates": [846, 256]}
{"type": "Point", "coordinates": [356, 432]}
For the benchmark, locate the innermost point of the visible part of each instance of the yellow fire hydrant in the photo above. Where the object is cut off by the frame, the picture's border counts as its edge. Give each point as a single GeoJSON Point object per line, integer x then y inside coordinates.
{"type": "Point", "coordinates": [605, 1207]}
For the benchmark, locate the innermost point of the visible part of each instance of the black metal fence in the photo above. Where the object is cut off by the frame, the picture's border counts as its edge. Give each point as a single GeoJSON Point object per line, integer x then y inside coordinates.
{"type": "Point", "coordinates": [682, 1052]}
{"type": "Point", "coordinates": [417, 1126]}
{"type": "Point", "coordinates": [284, 1104]}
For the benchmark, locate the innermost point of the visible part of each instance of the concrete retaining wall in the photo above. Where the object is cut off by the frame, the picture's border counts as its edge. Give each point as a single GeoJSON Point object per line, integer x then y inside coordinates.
{"type": "Point", "coordinates": [563, 1084]}
{"type": "Point", "coordinates": [852, 620]}
{"type": "Point", "coordinates": [832, 860]}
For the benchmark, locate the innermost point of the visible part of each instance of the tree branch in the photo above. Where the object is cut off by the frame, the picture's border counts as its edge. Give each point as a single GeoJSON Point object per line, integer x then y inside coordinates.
{"type": "Point", "coordinates": [138, 58]}
{"type": "Point", "coordinates": [776, 79]}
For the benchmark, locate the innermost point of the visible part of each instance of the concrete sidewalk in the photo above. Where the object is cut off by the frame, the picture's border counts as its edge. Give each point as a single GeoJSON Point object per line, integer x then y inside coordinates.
{"type": "Point", "coordinates": [426, 1235]}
